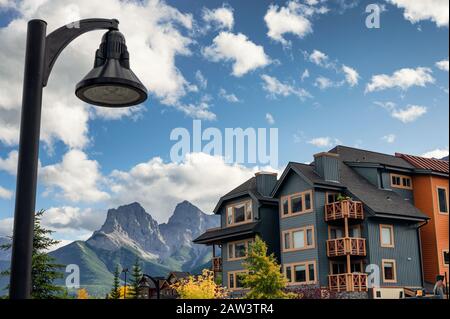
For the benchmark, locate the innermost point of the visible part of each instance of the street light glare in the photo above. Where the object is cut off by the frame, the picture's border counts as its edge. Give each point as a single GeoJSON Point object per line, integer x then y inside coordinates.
{"type": "Point", "coordinates": [111, 83]}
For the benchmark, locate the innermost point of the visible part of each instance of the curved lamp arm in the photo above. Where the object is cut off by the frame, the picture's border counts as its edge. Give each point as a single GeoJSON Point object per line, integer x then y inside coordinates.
{"type": "Point", "coordinates": [60, 38]}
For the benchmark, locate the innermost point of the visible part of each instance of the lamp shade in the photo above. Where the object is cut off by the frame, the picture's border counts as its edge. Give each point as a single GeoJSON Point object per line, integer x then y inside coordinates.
{"type": "Point", "coordinates": [111, 83]}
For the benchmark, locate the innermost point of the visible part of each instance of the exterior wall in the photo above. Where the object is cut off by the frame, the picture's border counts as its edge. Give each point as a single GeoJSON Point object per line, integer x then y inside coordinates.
{"type": "Point", "coordinates": [405, 251]}
{"type": "Point", "coordinates": [434, 235]}
{"type": "Point", "coordinates": [327, 166]}
{"type": "Point", "coordinates": [371, 174]}
{"type": "Point", "coordinates": [323, 264]}
{"type": "Point", "coordinates": [295, 184]}
{"type": "Point", "coordinates": [268, 229]}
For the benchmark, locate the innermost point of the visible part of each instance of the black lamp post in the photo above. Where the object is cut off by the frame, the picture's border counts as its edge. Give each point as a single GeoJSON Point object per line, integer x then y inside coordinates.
{"type": "Point", "coordinates": [111, 83]}
{"type": "Point", "coordinates": [125, 270]}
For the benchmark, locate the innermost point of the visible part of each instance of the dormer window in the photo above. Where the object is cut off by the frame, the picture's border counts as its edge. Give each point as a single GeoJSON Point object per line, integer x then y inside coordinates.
{"type": "Point", "coordinates": [401, 181]}
{"type": "Point", "coordinates": [239, 213]}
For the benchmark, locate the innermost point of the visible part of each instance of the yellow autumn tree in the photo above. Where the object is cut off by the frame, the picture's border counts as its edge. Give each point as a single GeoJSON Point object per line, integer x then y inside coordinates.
{"type": "Point", "coordinates": [263, 277]}
{"type": "Point", "coordinates": [199, 287]}
{"type": "Point", "coordinates": [82, 294]}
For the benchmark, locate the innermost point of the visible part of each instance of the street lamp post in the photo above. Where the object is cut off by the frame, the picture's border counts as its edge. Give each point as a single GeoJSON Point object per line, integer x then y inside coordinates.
{"type": "Point", "coordinates": [111, 83]}
{"type": "Point", "coordinates": [125, 270]}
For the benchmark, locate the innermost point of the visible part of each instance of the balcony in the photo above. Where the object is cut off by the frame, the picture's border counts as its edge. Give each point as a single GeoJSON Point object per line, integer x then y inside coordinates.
{"type": "Point", "coordinates": [346, 246]}
{"type": "Point", "coordinates": [217, 264]}
{"type": "Point", "coordinates": [343, 209]}
{"type": "Point", "coordinates": [348, 282]}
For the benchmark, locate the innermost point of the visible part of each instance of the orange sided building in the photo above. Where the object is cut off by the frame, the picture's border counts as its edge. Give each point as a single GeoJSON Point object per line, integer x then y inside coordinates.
{"type": "Point", "coordinates": [431, 195]}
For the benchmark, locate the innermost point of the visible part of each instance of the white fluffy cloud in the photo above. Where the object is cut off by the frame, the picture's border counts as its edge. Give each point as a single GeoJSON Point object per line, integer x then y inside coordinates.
{"type": "Point", "coordinates": [5, 193]}
{"type": "Point", "coordinates": [76, 178]}
{"type": "Point", "coordinates": [154, 34]}
{"type": "Point", "coordinates": [437, 153]}
{"type": "Point", "coordinates": [270, 119]}
{"type": "Point", "coordinates": [323, 83]}
{"type": "Point", "coordinates": [418, 10]}
{"type": "Point", "coordinates": [408, 114]}
{"type": "Point", "coordinates": [245, 55]}
{"type": "Point", "coordinates": [69, 219]}
{"type": "Point", "coordinates": [289, 19]}
{"type": "Point", "coordinates": [351, 75]}
{"type": "Point", "coordinates": [390, 138]}
{"type": "Point", "coordinates": [159, 186]}
{"type": "Point", "coordinates": [319, 58]}
{"type": "Point", "coordinates": [323, 142]}
{"type": "Point", "coordinates": [442, 65]}
{"type": "Point", "coordinates": [9, 164]}
{"type": "Point", "coordinates": [229, 97]}
{"type": "Point", "coordinates": [222, 17]}
{"type": "Point", "coordinates": [403, 79]}
{"type": "Point", "coordinates": [277, 88]}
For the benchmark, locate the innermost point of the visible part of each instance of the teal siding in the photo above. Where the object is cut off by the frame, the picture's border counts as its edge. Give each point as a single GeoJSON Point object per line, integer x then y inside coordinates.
{"type": "Point", "coordinates": [406, 251]}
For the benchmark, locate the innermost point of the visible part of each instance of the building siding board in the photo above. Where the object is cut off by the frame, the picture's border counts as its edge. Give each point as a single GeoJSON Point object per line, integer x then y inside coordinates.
{"type": "Point", "coordinates": [406, 251]}
{"type": "Point", "coordinates": [322, 237]}
{"type": "Point", "coordinates": [371, 174]}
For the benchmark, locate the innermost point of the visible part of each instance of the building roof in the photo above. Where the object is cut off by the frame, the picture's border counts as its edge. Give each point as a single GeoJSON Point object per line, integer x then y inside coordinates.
{"type": "Point", "coordinates": [431, 164]}
{"type": "Point", "coordinates": [355, 155]}
{"type": "Point", "coordinates": [216, 235]}
{"type": "Point", "coordinates": [248, 188]}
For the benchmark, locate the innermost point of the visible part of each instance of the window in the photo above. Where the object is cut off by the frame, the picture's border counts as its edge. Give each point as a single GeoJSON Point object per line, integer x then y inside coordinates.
{"type": "Point", "coordinates": [338, 268]}
{"type": "Point", "coordinates": [332, 198]}
{"type": "Point", "coordinates": [387, 236]}
{"type": "Point", "coordinates": [301, 273]}
{"type": "Point", "coordinates": [298, 239]}
{"type": "Point", "coordinates": [445, 255]}
{"type": "Point", "coordinates": [238, 250]}
{"type": "Point", "coordinates": [389, 270]}
{"type": "Point", "coordinates": [338, 232]}
{"type": "Point", "coordinates": [355, 232]}
{"type": "Point", "coordinates": [295, 204]}
{"type": "Point", "coordinates": [235, 279]}
{"type": "Point", "coordinates": [285, 205]}
{"type": "Point", "coordinates": [401, 181]}
{"type": "Point", "coordinates": [442, 200]}
{"type": "Point", "coordinates": [356, 267]}
{"type": "Point", "coordinates": [239, 213]}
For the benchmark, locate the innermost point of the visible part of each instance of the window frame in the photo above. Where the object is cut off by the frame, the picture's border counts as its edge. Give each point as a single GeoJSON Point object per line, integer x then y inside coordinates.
{"type": "Point", "coordinates": [402, 177]}
{"type": "Point", "coordinates": [234, 273]}
{"type": "Point", "coordinates": [289, 198]}
{"type": "Point", "coordinates": [246, 203]}
{"type": "Point", "coordinates": [303, 263]}
{"type": "Point", "coordinates": [232, 244]}
{"type": "Point", "coordinates": [391, 227]}
{"type": "Point", "coordinates": [331, 193]}
{"type": "Point", "coordinates": [443, 257]}
{"type": "Point", "coordinates": [446, 199]}
{"type": "Point", "coordinates": [290, 233]}
{"type": "Point", "coordinates": [394, 270]}
{"type": "Point", "coordinates": [342, 228]}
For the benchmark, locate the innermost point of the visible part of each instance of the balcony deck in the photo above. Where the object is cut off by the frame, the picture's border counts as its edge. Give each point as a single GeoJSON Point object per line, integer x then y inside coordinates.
{"type": "Point", "coordinates": [346, 246]}
{"type": "Point", "coordinates": [342, 209]}
{"type": "Point", "coordinates": [348, 282]}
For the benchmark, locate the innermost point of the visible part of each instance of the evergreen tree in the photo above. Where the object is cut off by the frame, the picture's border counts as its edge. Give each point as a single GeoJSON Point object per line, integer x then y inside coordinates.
{"type": "Point", "coordinates": [115, 291]}
{"type": "Point", "coordinates": [264, 277]}
{"type": "Point", "coordinates": [136, 276]}
{"type": "Point", "coordinates": [44, 269]}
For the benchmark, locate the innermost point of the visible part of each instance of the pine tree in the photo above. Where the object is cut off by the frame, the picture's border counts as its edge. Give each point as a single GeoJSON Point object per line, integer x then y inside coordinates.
{"type": "Point", "coordinates": [115, 291]}
{"type": "Point", "coordinates": [136, 276]}
{"type": "Point", "coordinates": [44, 269]}
{"type": "Point", "coordinates": [264, 277]}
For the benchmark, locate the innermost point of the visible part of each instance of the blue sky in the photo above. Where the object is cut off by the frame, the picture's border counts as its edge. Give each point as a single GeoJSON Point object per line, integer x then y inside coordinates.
{"type": "Point", "coordinates": [398, 102]}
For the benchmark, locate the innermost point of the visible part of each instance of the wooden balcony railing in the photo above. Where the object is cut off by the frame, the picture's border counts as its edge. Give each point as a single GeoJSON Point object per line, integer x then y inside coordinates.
{"type": "Point", "coordinates": [342, 209]}
{"type": "Point", "coordinates": [348, 282]}
{"type": "Point", "coordinates": [217, 264]}
{"type": "Point", "coordinates": [346, 246]}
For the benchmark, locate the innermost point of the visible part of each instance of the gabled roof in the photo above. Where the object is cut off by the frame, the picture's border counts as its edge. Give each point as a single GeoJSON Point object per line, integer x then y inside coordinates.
{"type": "Point", "coordinates": [248, 188]}
{"type": "Point", "coordinates": [431, 164]}
{"type": "Point", "coordinates": [307, 172]}
{"type": "Point", "coordinates": [355, 155]}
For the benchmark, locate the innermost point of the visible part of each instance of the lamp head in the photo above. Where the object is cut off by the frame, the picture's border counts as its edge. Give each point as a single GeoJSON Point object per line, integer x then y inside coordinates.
{"type": "Point", "coordinates": [111, 83]}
